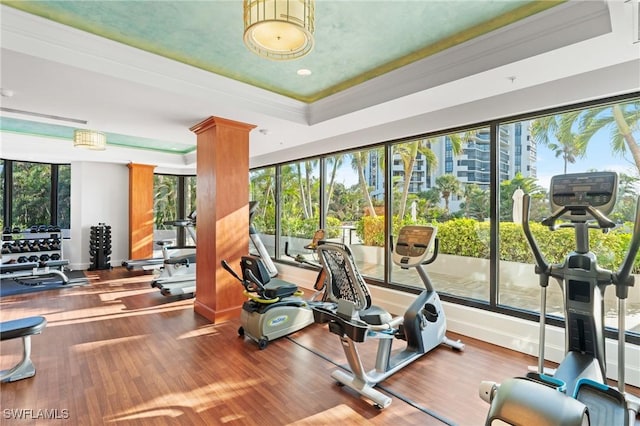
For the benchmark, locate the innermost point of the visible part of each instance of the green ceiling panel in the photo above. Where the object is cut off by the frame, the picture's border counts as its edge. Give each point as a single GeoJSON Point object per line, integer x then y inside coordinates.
{"type": "Point", "coordinates": [56, 131]}
{"type": "Point", "coordinates": [354, 40]}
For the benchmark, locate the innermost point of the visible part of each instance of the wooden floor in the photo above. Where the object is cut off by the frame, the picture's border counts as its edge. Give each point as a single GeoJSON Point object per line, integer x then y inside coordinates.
{"type": "Point", "coordinates": [118, 352]}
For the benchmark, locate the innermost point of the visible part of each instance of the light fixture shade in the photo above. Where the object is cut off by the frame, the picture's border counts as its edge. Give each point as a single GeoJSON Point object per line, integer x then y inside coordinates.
{"type": "Point", "coordinates": [279, 29]}
{"type": "Point", "coordinates": [89, 139]}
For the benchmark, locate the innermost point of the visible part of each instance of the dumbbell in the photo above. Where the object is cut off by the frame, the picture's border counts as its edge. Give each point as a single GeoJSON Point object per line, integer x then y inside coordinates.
{"type": "Point", "coordinates": [23, 259]}
{"type": "Point", "coordinates": [44, 257]}
{"type": "Point", "coordinates": [55, 256]}
{"type": "Point", "coordinates": [33, 258]}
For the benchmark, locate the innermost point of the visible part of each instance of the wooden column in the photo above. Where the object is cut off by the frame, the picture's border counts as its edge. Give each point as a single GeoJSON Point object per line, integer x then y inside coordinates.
{"type": "Point", "coordinates": [223, 215]}
{"type": "Point", "coordinates": [140, 211]}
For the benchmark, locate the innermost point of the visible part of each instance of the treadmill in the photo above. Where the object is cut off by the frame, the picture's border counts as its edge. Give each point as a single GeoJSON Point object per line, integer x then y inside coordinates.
{"type": "Point", "coordinates": [168, 251]}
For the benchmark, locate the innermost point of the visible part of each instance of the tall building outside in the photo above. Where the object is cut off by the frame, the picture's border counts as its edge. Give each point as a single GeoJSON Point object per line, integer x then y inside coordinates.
{"type": "Point", "coordinates": [471, 166]}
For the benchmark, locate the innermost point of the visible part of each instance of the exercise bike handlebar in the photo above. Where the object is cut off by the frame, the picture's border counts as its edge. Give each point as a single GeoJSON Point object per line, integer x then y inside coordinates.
{"type": "Point", "coordinates": [623, 278]}
{"type": "Point", "coordinates": [436, 246]}
{"type": "Point", "coordinates": [299, 258]}
{"type": "Point", "coordinates": [230, 270]}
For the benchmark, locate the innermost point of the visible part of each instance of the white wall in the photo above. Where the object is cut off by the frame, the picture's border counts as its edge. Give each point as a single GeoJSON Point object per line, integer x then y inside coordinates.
{"type": "Point", "coordinates": [99, 194]}
{"type": "Point", "coordinates": [502, 330]}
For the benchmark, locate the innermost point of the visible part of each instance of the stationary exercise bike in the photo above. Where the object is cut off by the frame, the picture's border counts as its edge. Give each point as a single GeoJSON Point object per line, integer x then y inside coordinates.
{"type": "Point", "coordinates": [274, 307]}
{"type": "Point", "coordinates": [355, 319]}
{"type": "Point", "coordinates": [576, 393]}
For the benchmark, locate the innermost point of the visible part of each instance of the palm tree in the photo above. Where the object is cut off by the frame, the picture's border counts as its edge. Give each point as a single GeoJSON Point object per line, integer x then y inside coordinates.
{"type": "Point", "coordinates": [475, 201]}
{"type": "Point", "coordinates": [359, 161]}
{"type": "Point", "coordinates": [622, 119]}
{"type": "Point", "coordinates": [335, 162]}
{"type": "Point", "coordinates": [507, 187]}
{"type": "Point", "coordinates": [305, 186]}
{"type": "Point", "coordinates": [408, 153]}
{"type": "Point", "coordinates": [448, 185]}
{"type": "Point", "coordinates": [567, 144]}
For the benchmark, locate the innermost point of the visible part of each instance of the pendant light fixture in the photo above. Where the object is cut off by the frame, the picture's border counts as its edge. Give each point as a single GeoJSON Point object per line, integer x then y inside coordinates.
{"type": "Point", "coordinates": [279, 29]}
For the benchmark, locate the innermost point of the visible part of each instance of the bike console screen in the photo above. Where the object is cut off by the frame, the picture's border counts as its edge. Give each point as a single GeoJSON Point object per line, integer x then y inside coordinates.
{"type": "Point", "coordinates": [578, 190]}
{"type": "Point", "coordinates": [413, 245]}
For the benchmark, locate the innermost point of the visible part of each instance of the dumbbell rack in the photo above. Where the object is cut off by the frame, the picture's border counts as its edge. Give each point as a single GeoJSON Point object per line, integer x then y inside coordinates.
{"type": "Point", "coordinates": [100, 247]}
{"type": "Point", "coordinates": [22, 246]}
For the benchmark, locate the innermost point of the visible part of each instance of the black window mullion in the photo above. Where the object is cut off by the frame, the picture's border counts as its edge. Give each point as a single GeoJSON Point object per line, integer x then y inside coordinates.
{"type": "Point", "coordinates": [494, 245]}
{"type": "Point", "coordinates": [8, 193]}
{"type": "Point", "coordinates": [278, 210]}
{"type": "Point", "coordinates": [54, 195]}
{"type": "Point", "coordinates": [181, 207]}
{"type": "Point", "coordinates": [388, 201]}
{"type": "Point", "coordinates": [323, 201]}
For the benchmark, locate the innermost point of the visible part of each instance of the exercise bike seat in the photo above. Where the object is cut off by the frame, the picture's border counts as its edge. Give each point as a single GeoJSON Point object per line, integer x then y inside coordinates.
{"type": "Point", "coordinates": [354, 314]}
{"type": "Point", "coordinates": [254, 272]}
{"type": "Point", "coordinates": [277, 288]}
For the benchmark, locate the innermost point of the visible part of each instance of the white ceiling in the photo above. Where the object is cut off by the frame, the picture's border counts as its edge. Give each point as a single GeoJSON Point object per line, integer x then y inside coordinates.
{"type": "Point", "coordinates": [577, 51]}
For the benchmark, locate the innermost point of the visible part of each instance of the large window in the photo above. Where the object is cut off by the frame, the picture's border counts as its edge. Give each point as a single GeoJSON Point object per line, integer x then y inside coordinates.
{"type": "Point", "coordinates": [601, 138]}
{"type": "Point", "coordinates": [468, 183]}
{"type": "Point", "coordinates": [262, 190]}
{"type": "Point", "coordinates": [354, 203]}
{"type": "Point", "coordinates": [453, 202]}
{"type": "Point", "coordinates": [35, 194]}
{"type": "Point", "coordinates": [300, 199]}
{"type": "Point", "coordinates": [174, 199]}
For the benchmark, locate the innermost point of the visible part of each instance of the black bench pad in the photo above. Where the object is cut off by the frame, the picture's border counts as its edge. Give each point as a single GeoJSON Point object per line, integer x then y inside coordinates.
{"type": "Point", "coordinates": [21, 327]}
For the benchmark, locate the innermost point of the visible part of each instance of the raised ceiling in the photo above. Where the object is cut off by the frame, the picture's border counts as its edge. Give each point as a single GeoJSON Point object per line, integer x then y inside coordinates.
{"type": "Point", "coordinates": [145, 72]}
{"type": "Point", "coordinates": [355, 41]}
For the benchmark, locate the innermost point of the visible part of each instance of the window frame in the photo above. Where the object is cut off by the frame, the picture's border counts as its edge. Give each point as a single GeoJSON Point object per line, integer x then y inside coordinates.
{"type": "Point", "coordinates": [493, 304]}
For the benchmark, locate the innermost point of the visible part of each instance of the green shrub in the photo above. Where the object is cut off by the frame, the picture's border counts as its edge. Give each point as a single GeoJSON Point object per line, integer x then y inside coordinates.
{"type": "Point", "coordinates": [468, 237]}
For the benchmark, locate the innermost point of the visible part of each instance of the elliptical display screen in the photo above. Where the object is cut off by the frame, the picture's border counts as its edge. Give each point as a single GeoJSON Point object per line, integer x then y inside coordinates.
{"type": "Point", "coordinates": [577, 190]}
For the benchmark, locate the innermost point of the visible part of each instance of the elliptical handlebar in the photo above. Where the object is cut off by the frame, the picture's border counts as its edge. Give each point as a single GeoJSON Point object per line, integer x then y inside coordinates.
{"type": "Point", "coordinates": [603, 221]}
{"type": "Point", "coordinates": [541, 263]}
{"type": "Point", "coordinates": [623, 278]}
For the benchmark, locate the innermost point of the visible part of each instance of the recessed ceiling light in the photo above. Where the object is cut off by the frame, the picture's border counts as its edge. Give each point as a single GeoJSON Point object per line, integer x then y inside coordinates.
{"type": "Point", "coordinates": [264, 131]}
{"type": "Point", "coordinates": [304, 72]}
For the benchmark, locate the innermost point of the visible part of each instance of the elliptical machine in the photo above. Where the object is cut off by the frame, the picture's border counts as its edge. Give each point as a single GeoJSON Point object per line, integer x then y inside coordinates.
{"type": "Point", "coordinates": [355, 319]}
{"type": "Point", "coordinates": [576, 393]}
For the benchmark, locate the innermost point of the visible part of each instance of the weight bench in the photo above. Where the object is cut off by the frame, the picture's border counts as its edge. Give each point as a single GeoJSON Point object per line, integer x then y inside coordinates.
{"type": "Point", "coordinates": [24, 328]}
{"type": "Point", "coordinates": [34, 269]}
